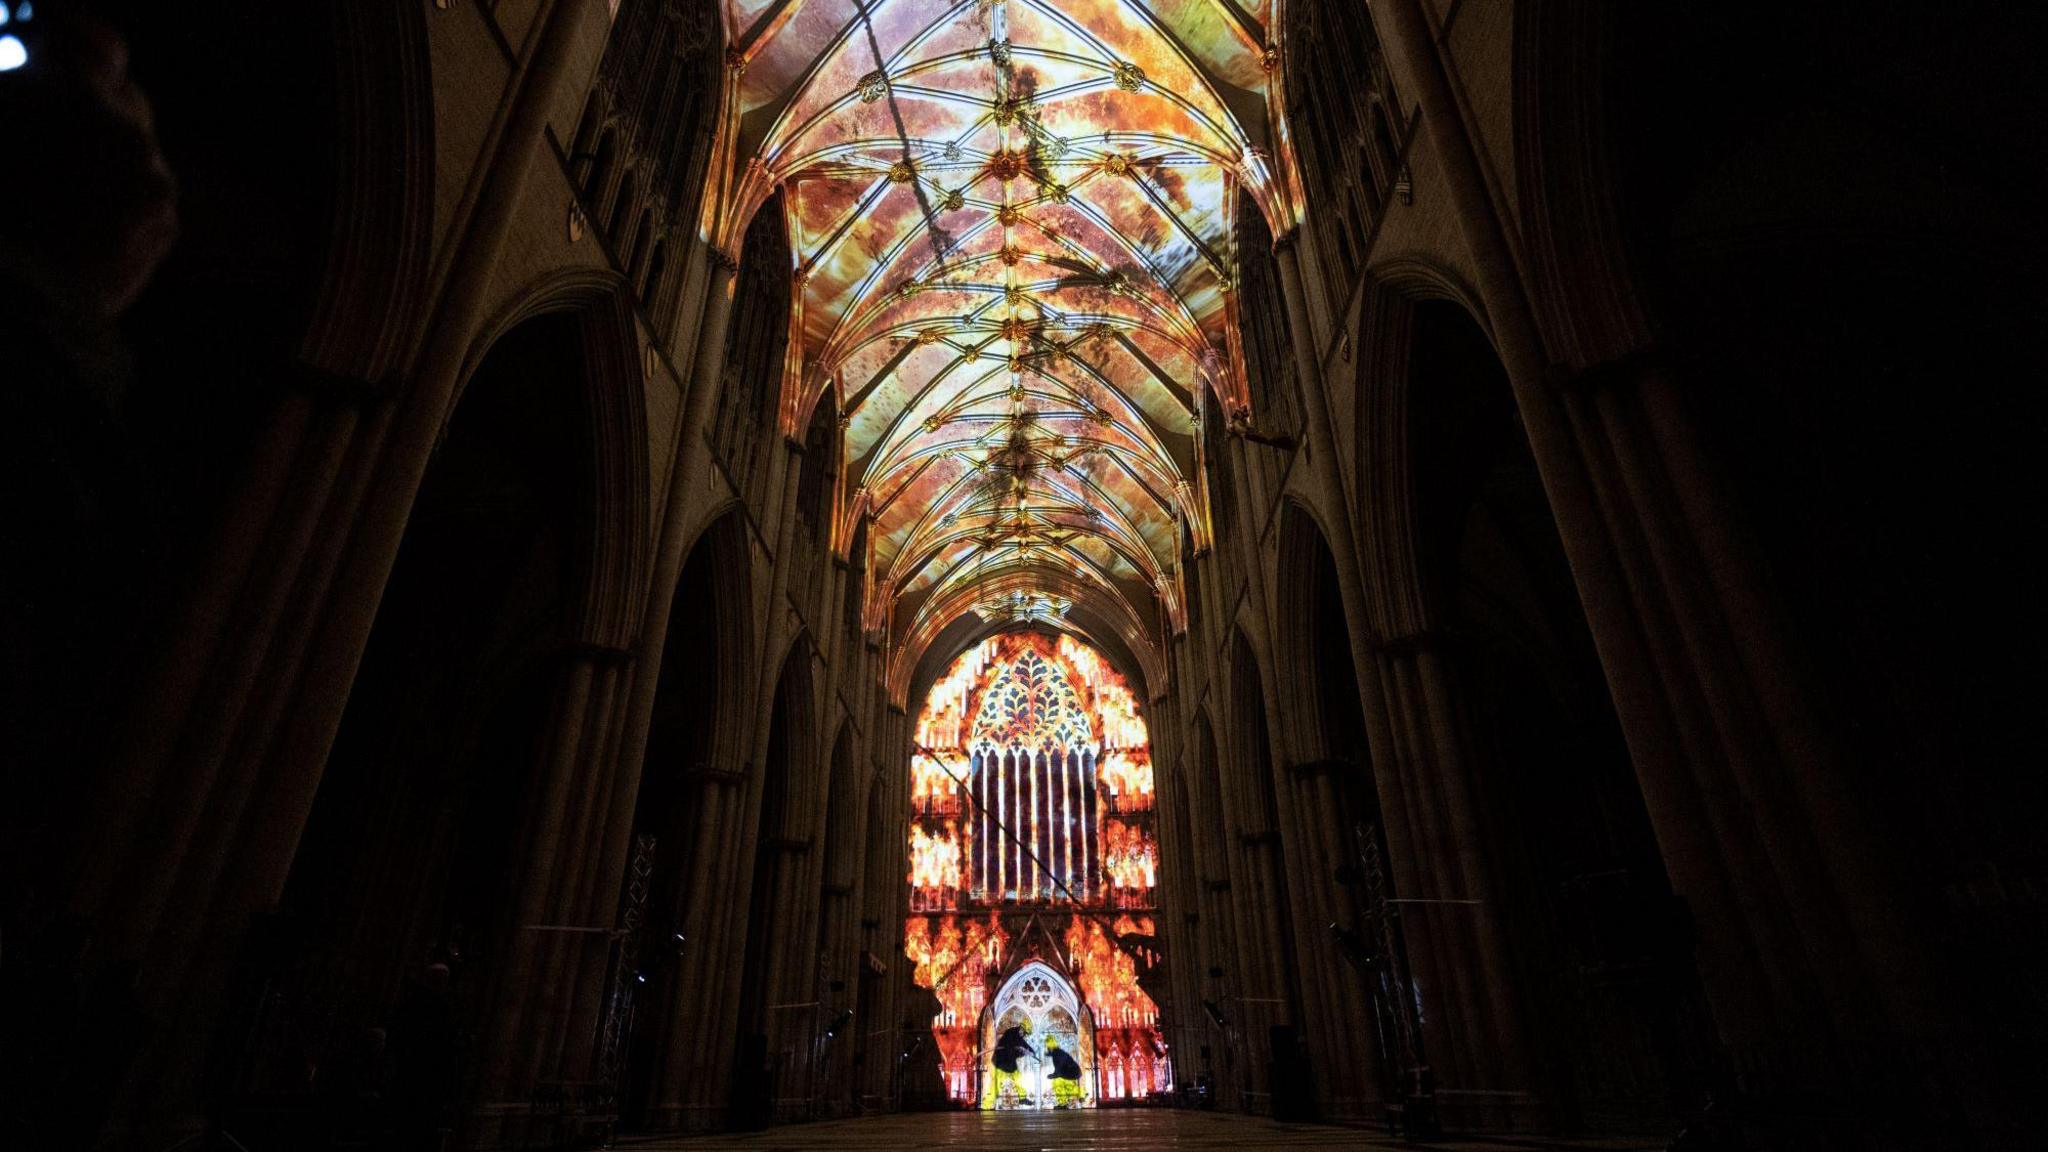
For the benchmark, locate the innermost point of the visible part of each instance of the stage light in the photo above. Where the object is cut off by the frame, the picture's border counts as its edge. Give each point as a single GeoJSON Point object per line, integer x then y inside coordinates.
{"type": "Point", "coordinates": [13, 49]}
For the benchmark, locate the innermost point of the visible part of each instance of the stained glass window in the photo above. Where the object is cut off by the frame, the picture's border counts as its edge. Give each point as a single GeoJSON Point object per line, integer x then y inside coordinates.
{"type": "Point", "coordinates": [1031, 789]}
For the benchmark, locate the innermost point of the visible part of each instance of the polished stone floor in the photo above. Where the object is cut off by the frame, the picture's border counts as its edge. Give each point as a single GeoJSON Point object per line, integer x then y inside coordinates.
{"type": "Point", "coordinates": [1109, 1130]}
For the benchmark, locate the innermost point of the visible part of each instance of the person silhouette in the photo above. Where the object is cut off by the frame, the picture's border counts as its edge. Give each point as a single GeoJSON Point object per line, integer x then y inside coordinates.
{"type": "Point", "coordinates": [1066, 1074]}
{"type": "Point", "coordinates": [88, 210]}
{"type": "Point", "coordinates": [423, 1072]}
{"type": "Point", "coordinates": [1011, 1047]}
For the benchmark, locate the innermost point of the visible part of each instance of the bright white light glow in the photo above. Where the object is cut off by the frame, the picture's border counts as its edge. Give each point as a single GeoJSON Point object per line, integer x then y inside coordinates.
{"type": "Point", "coordinates": [13, 53]}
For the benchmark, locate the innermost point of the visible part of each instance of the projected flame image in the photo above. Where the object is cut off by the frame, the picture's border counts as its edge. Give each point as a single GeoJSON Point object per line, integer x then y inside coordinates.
{"type": "Point", "coordinates": [1033, 870]}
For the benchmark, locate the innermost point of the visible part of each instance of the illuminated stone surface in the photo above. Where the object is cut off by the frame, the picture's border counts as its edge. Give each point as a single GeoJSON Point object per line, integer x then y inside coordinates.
{"type": "Point", "coordinates": [1031, 827]}
{"type": "Point", "coordinates": [1041, 168]}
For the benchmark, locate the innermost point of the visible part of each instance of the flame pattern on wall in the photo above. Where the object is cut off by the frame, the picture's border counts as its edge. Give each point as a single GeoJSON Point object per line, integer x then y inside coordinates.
{"type": "Point", "coordinates": [1032, 791]}
{"type": "Point", "coordinates": [1131, 1057]}
{"type": "Point", "coordinates": [955, 961]}
{"type": "Point", "coordinates": [935, 860]}
{"type": "Point", "coordinates": [1131, 860]}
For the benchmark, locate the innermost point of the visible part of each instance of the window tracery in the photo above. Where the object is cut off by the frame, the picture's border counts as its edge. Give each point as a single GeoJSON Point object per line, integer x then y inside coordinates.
{"type": "Point", "coordinates": [1031, 792]}
{"type": "Point", "coordinates": [1346, 114]}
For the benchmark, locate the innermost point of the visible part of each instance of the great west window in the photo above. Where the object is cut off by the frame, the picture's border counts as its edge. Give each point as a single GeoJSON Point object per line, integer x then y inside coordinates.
{"type": "Point", "coordinates": [1032, 846]}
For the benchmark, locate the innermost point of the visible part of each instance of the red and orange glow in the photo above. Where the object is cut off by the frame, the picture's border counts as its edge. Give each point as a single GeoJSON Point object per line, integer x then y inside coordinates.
{"type": "Point", "coordinates": [935, 864]}
{"type": "Point", "coordinates": [1132, 861]}
{"type": "Point", "coordinates": [955, 962]}
{"type": "Point", "coordinates": [1130, 782]}
{"type": "Point", "coordinates": [932, 787]}
{"type": "Point", "coordinates": [1031, 791]}
{"type": "Point", "coordinates": [1108, 978]}
{"type": "Point", "coordinates": [1131, 1054]}
{"type": "Point", "coordinates": [1133, 926]}
{"type": "Point", "coordinates": [952, 961]}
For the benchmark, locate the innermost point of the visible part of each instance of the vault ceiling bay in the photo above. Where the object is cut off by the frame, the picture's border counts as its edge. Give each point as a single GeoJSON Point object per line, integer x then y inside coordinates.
{"type": "Point", "coordinates": [869, 239]}
{"type": "Point", "coordinates": [1012, 223]}
{"type": "Point", "coordinates": [1226, 35]}
{"type": "Point", "coordinates": [1013, 490]}
{"type": "Point", "coordinates": [801, 55]}
{"type": "Point", "coordinates": [918, 352]}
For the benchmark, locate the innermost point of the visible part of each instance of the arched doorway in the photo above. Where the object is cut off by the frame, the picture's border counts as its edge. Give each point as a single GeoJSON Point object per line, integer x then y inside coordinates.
{"type": "Point", "coordinates": [1042, 1006]}
{"type": "Point", "coordinates": [1269, 992]}
{"type": "Point", "coordinates": [838, 916]}
{"type": "Point", "coordinates": [689, 777]}
{"type": "Point", "coordinates": [778, 1010]}
{"type": "Point", "coordinates": [407, 909]}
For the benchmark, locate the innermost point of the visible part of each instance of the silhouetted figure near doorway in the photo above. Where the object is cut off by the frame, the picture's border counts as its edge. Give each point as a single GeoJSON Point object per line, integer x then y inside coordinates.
{"type": "Point", "coordinates": [423, 1069]}
{"type": "Point", "coordinates": [87, 212]}
{"type": "Point", "coordinates": [1011, 1047]}
{"type": "Point", "coordinates": [1066, 1075]}
{"type": "Point", "coordinates": [751, 1105]}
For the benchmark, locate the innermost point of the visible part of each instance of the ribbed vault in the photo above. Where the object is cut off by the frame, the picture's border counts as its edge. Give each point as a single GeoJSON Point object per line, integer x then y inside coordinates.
{"type": "Point", "coordinates": [1011, 227]}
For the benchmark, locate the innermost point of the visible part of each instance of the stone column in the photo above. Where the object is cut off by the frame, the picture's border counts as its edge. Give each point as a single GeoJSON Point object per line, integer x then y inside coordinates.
{"type": "Point", "coordinates": [532, 997]}
{"type": "Point", "coordinates": [1438, 954]}
{"type": "Point", "coordinates": [1233, 1050]}
{"type": "Point", "coordinates": [214, 781]}
{"type": "Point", "coordinates": [1385, 733]}
{"type": "Point", "coordinates": [1800, 923]}
{"type": "Point", "coordinates": [1343, 1010]}
{"type": "Point", "coordinates": [727, 930]}
{"type": "Point", "coordinates": [602, 881]}
{"type": "Point", "coordinates": [682, 1097]}
{"type": "Point", "coordinates": [1305, 860]}
{"type": "Point", "coordinates": [689, 475]}
{"type": "Point", "coordinates": [584, 889]}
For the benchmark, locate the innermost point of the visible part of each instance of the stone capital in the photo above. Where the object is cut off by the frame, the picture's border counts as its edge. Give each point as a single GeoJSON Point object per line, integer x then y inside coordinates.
{"type": "Point", "coordinates": [596, 652]}
{"type": "Point", "coordinates": [1622, 371]}
{"type": "Point", "coordinates": [1422, 640]}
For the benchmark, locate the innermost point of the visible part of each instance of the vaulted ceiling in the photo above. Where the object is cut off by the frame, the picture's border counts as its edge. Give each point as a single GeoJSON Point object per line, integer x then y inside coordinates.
{"type": "Point", "coordinates": [1012, 227]}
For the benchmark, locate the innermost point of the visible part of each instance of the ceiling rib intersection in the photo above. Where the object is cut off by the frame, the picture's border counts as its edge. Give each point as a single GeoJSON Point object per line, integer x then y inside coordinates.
{"type": "Point", "coordinates": [1013, 245]}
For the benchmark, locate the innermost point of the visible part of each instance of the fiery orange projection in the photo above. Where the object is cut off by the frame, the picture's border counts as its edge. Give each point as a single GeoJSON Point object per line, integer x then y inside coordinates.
{"type": "Point", "coordinates": [955, 964]}
{"type": "Point", "coordinates": [935, 862]}
{"type": "Point", "coordinates": [1132, 862]}
{"type": "Point", "coordinates": [1132, 1056]}
{"type": "Point", "coordinates": [1031, 799]}
{"type": "Point", "coordinates": [1014, 230]}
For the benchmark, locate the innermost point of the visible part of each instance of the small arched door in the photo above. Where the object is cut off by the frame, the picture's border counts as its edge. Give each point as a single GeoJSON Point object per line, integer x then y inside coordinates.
{"type": "Point", "coordinates": [1041, 1004]}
